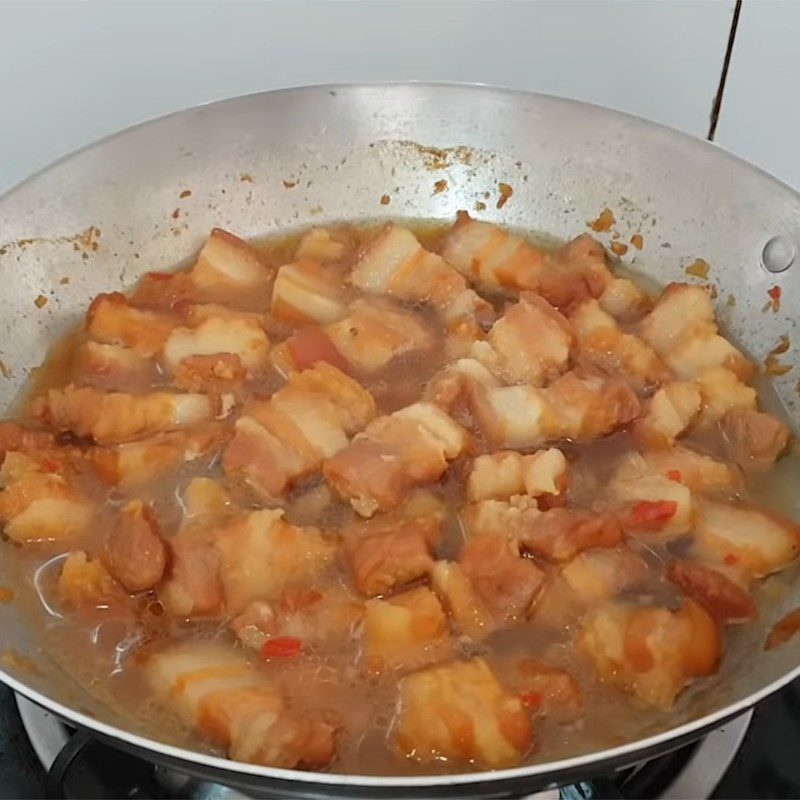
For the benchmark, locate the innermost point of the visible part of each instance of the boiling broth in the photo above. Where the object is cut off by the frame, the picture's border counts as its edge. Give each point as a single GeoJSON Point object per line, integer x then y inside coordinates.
{"type": "Point", "coordinates": [99, 649]}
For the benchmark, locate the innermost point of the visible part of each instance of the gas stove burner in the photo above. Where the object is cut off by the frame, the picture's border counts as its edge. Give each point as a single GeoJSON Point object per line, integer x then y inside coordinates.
{"type": "Point", "coordinates": [81, 766]}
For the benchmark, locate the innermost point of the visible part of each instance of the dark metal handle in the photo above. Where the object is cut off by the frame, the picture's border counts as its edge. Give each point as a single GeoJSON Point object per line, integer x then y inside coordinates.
{"type": "Point", "coordinates": [87, 768]}
{"type": "Point", "coordinates": [59, 769]}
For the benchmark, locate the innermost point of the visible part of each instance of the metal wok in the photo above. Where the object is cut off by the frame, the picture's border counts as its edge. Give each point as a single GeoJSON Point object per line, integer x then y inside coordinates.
{"type": "Point", "coordinates": [258, 164]}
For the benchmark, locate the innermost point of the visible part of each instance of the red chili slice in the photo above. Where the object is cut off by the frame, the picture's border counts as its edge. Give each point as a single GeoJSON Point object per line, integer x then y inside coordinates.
{"type": "Point", "coordinates": [531, 700]}
{"type": "Point", "coordinates": [652, 515]}
{"type": "Point", "coordinates": [281, 647]}
{"type": "Point", "coordinates": [675, 475]}
{"type": "Point", "coordinates": [159, 276]}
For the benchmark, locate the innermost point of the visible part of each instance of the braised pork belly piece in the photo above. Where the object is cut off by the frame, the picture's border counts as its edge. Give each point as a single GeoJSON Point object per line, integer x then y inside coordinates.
{"type": "Point", "coordinates": [396, 264]}
{"type": "Point", "coordinates": [130, 466]}
{"type": "Point", "coordinates": [113, 319]}
{"type": "Point", "coordinates": [668, 413]}
{"type": "Point", "coordinates": [217, 691]}
{"type": "Point", "coordinates": [224, 559]}
{"type": "Point", "coordinates": [682, 330]}
{"type": "Point", "coordinates": [134, 551]}
{"type": "Point", "coordinates": [461, 712]}
{"type": "Point", "coordinates": [310, 617]}
{"type": "Point", "coordinates": [306, 292]}
{"type": "Point", "coordinates": [41, 500]}
{"type": "Point", "coordinates": [530, 343]}
{"type": "Point", "coordinates": [112, 367]}
{"type": "Point", "coordinates": [227, 270]}
{"type": "Point", "coordinates": [652, 652]}
{"type": "Point", "coordinates": [389, 551]}
{"type": "Point", "coordinates": [116, 417]}
{"type": "Point", "coordinates": [572, 407]}
{"type": "Point", "coordinates": [499, 476]}
{"type": "Point", "coordinates": [603, 343]}
{"type": "Point", "coordinates": [286, 437]}
{"type": "Point", "coordinates": [395, 453]}
{"type": "Point", "coordinates": [367, 338]}
{"type": "Point", "coordinates": [495, 258]}
{"type": "Point", "coordinates": [404, 631]}
{"type": "Point", "coordinates": [546, 689]}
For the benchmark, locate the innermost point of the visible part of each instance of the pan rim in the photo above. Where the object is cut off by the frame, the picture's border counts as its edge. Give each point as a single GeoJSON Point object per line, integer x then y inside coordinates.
{"type": "Point", "coordinates": [475, 86]}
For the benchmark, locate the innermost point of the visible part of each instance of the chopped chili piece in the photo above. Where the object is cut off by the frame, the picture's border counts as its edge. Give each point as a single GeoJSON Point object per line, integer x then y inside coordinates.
{"type": "Point", "coordinates": [731, 559]}
{"type": "Point", "coordinates": [51, 465]}
{"type": "Point", "coordinates": [281, 647]}
{"type": "Point", "coordinates": [159, 276]}
{"type": "Point", "coordinates": [650, 515]}
{"type": "Point", "coordinates": [774, 298]}
{"type": "Point", "coordinates": [531, 700]}
{"type": "Point", "coordinates": [675, 475]}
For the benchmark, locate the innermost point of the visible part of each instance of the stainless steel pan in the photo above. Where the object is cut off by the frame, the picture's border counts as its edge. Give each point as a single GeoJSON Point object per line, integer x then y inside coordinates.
{"type": "Point", "coordinates": [103, 216]}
